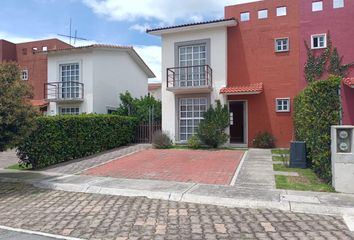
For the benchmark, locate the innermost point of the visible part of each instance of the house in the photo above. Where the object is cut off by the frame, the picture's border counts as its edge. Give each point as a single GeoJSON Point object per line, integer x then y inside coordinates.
{"type": "Point", "coordinates": [33, 66]}
{"type": "Point", "coordinates": [89, 79]}
{"type": "Point", "coordinates": [253, 61]}
{"type": "Point", "coordinates": [155, 90]}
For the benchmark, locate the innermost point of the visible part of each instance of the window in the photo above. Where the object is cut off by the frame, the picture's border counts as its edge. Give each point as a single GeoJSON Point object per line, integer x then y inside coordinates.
{"type": "Point", "coordinates": [282, 105]}
{"type": "Point", "coordinates": [24, 51]}
{"type": "Point", "coordinates": [281, 11]}
{"type": "Point", "coordinates": [45, 48]}
{"type": "Point", "coordinates": [318, 41]}
{"type": "Point", "coordinates": [317, 6]}
{"type": "Point", "coordinates": [192, 61]}
{"type": "Point", "coordinates": [262, 14]}
{"type": "Point", "coordinates": [111, 110]}
{"type": "Point", "coordinates": [282, 44]}
{"type": "Point", "coordinates": [245, 16]}
{"type": "Point", "coordinates": [70, 77]}
{"type": "Point", "coordinates": [69, 111]}
{"type": "Point", "coordinates": [24, 75]}
{"type": "Point", "coordinates": [338, 3]}
{"type": "Point", "coordinates": [191, 112]}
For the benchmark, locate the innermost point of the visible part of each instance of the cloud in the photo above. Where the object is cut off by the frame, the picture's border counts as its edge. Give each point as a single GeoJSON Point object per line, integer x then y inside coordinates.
{"type": "Point", "coordinates": [140, 27]}
{"type": "Point", "coordinates": [152, 56]}
{"type": "Point", "coordinates": [163, 12]}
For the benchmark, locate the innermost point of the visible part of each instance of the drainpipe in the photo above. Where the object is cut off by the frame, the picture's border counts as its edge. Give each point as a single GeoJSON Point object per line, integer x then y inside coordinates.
{"type": "Point", "coordinates": [340, 105]}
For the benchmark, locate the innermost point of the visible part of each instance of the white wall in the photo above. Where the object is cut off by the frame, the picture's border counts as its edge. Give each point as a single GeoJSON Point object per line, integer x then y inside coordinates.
{"type": "Point", "coordinates": [156, 93]}
{"type": "Point", "coordinates": [218, 63]}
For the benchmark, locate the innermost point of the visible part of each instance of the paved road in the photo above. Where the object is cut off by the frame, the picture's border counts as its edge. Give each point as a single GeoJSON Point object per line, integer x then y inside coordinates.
{"type": "Point", "coordinates": [12, 235]}
{"type": "Point", "coordinates": [8, 158]}
{"type": "Point", "coordinates": [93, 216]}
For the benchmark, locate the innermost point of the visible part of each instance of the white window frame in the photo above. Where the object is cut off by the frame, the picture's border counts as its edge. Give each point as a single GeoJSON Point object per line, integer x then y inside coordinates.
{"type": "Point", "coordinates": [317, 36]}
{"type": "Point", "coordinates": [317, 6]}
{"type": "Point", "coordinates": [70, 89]}
{"type": "Point", "coordinates": [281, 39]}
{"type": "Point", "coordinates": [70, 112]}
{"type": "Point", "coordinates": [247, 16]}
{"type": "Point", "coordinates": [265, 16]}
{"type": "Point", "coordinates": [24, 75]}
{"type": "Point", "coordinates": [282, 105]}
{"type": "Point", "coordinates": [338, 4]}
{"type": "Point", "coordinates": [280, 13]}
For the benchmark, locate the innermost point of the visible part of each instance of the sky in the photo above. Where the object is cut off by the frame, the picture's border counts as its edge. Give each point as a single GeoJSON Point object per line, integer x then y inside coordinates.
{"type": "Point", "coordinates": [121, 22]}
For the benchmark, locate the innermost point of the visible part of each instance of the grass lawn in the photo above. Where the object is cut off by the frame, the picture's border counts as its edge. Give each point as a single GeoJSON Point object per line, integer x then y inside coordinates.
{"type": "Point", "coordinates": [19, 167]}
{"type": "Point", "coordinates": [280, 151]}
{"type": "Point", "coordinates": [306, 181]}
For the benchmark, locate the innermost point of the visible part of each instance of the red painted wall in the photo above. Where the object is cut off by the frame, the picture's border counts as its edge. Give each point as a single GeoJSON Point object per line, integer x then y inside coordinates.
{"type": "Point", "coordinates": [338, 22]}
{"type": "Point", "coordinates": [252, 59]}
{"type": "Point", "coordinates": [7, 51]}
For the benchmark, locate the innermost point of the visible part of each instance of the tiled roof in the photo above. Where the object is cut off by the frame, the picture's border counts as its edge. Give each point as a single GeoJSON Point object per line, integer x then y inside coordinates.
{"type": "Point", "coordinates": [255, 88]}
{"type": "Point", "coordinates": [349, 82]}
{"type": "Point", "coordinates": [39, 103]}
{"type": "Point", "coordinates": [91, 46]}
{"type": "Point", "coordinates": [190, 24]}
{"type": "Point", "coordinates": [154, 86]}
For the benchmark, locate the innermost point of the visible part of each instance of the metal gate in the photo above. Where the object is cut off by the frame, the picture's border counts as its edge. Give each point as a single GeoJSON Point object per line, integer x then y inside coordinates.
{"type": "Point", "coordinates": [145, 130]}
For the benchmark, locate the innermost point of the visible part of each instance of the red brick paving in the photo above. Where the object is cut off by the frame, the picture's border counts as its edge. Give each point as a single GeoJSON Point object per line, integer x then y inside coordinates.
{"type": "Point", "coordinates": [199, 166]}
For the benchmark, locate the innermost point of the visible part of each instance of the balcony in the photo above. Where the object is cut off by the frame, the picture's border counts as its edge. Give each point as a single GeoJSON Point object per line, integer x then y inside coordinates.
{"type": "Point", "coordinates": [64, 91]}
{"type": "Point", "coordinates": [190, 79]}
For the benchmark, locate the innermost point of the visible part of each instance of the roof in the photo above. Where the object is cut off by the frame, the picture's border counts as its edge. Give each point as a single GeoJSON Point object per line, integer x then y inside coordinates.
{"type": "Point", "coordinates": [255, 88]}
{"type": "Point", "coordinates": [129, 49]}
{"type": "Point", "coordinates": [192, 26]}
{"type": "Point", "coordinates": [39, 103]}
{"type": "Point", "coordinates": [154, 86]}
{"type": "Point", "coordinates": [349, 82]}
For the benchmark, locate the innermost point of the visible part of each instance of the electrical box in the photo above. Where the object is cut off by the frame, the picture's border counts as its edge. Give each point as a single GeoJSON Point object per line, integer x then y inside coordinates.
{"type": "Point", "coordinates": [342, 149]}
{"type": "Point", "coordinates": [298, 155]}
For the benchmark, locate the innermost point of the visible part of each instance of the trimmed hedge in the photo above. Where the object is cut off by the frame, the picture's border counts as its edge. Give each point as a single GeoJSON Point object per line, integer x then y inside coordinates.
{"type": "Point", "coordinates": [317, 107]}
{"type": "Point", "coordinates": [63, 138]}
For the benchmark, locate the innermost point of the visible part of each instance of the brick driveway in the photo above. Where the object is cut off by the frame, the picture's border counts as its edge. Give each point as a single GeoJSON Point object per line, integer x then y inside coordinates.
{"type": "Point", "coordinates": [198, 166]}
{"type": "Point", "coordinates": [92, 216]}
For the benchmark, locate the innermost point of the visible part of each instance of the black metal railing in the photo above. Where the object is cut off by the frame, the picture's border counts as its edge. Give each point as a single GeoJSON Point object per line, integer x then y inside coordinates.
{"type": "Point", "coordinates": [190, 76]}
{"type": "Point", "coordinates": [64, 91]}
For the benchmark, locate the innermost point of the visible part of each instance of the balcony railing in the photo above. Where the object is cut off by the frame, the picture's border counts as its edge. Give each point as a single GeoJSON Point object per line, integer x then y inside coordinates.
{"type": "Point", "coordinates": [191, 77]}
{"type": "Point", "coordinates": [64, 91]}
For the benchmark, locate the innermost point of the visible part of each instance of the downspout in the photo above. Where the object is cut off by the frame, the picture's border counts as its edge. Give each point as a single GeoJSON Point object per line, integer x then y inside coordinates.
{"type": "Point", "coordinates": [340, 105]}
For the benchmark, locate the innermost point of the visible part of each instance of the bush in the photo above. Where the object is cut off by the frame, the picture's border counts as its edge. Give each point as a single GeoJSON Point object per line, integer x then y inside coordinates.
{"type": "Point", "coordinates": [193, 142]}
{"type": "Point", "coordinates": [317, 107]}
{"type": "Point", "coordinates": [161, 140]}
{"type": "Point", "coordinates": [62, 138]}
{"type": "Point", "coordinates": [211, 130]}
{"type": "Point", "coordinates": [264, 140]}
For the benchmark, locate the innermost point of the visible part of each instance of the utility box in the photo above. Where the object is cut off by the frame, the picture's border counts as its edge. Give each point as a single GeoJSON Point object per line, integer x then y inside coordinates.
{"type": "Point", "coordinates": [298, 155]}
{"type": "Point", "coordinates": [342, 148]}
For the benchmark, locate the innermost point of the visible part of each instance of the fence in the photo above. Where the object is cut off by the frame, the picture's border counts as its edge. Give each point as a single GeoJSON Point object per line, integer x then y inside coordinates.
{"type": "Point", "coordinates": [145, 131]}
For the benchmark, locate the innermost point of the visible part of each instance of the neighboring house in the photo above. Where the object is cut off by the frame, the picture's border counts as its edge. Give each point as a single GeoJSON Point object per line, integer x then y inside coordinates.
{"type": "Point", "coordinates": [33, 66]}
{"type": "Point", "coordinates": [89, 79]}
{"type": "Point", "coordinates": [155, 90]}
{"type": "Point", "coordinates": [252, 61]}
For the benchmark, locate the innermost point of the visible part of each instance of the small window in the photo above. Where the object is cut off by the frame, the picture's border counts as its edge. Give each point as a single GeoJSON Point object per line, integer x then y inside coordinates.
{"type": "Point", "coordinates": [245, 16]}
{"type": "Point", "coordinates": [24, 51]}
{"type": "Point", "coordinates": [69, 111]}
{"type": "Point", "coordinates": [45, 48]}
{"type": "Point", "coordinates": [338, 3]}
{"type": "Point", "coordinates": [317, 6]}
{"type": "Point", "coordinates": [111, 110]}
{"type": "Point", "coordinates": [24, 75]}
{"type": "Point", "coordinates": [282, 44]}
{"type": "Point", "coordinates": [318, 41]}
{"type": "Point", "coordinates": [282, 105]}
{"type": "Point", "coordinates": [281, 11]}
{"type": "Point", "coordinates": [262, 14]}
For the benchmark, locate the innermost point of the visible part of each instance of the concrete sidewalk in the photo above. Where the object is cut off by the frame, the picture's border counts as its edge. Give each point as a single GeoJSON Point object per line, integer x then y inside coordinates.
{"type": "Point", "coordinates": [231, 196]}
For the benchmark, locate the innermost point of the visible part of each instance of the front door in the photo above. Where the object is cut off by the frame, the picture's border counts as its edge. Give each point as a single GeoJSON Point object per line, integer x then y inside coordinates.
{"type": "Point", "coordinates": [237, 122]}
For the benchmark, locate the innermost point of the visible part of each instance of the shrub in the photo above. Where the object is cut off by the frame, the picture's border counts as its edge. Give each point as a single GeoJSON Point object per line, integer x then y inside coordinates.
{"type": "Point", "coordinates": [161, 140]}
{"type": "Point", "coordinates": [317, 107]}
{"type": "Point", "coordinates": [264, 140]}
{"type": "Point", "coordinates": [62, 138]}
{"type": "Point", "coordinates": [211, 130]}
{"type": "Point", "coordinates": [193, 142]}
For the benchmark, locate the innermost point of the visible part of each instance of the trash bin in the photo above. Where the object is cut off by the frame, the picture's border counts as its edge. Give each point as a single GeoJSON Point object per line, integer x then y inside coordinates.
{"type": "Point", "coordinates": [298, 155]}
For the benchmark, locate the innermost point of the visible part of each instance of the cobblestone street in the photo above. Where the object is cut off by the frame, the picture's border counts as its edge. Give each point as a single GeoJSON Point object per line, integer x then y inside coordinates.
{"type": "Point", "coordinates": [93, 216]}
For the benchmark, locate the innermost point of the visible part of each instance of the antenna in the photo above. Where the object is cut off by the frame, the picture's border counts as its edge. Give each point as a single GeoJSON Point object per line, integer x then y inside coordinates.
{"type": "Point", "coordinates": [70, 36]}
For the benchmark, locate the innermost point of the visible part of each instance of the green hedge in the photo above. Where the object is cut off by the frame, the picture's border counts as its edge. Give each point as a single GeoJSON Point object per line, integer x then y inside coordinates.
{"type": "Point", "coordinates": [317, 107]}
{"type": "Point", "coordinates": [62, 138]}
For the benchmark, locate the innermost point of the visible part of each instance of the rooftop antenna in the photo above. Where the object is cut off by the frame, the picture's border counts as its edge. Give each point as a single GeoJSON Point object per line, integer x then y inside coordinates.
{"type": "Point", "coordinates": [71, 37]}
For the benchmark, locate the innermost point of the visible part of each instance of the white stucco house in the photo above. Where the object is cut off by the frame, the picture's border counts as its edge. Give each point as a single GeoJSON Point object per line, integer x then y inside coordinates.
{"type": "Point", "coordinates": [194, 69]}
{"type": "Point", "coordinates": [89, 79]}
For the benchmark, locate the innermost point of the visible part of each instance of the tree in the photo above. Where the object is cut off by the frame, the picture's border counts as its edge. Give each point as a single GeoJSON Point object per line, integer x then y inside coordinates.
{"type": "Point", "coordinates": [16, 112]}
{"type": "Point", "coordinates": [139, 107]}
{"type": "Point", "coordinates": [211, 130]}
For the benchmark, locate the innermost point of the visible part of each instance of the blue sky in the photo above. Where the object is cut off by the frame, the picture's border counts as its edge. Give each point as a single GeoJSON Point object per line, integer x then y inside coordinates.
{"type": "Point", "coordinates": [119, 22]}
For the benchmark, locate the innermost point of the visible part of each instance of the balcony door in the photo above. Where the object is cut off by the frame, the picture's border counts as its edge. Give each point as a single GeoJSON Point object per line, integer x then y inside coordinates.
{"type": "Point", "coordinates": [70, 77]}
{"type": "Point", "coordinates": [192, 61]}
